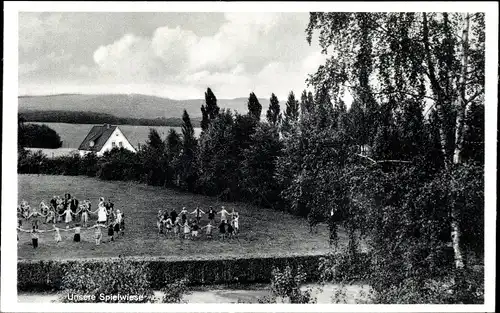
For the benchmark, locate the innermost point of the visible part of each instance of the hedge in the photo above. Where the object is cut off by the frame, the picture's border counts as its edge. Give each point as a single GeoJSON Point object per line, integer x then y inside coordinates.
{"type": "Point", "coordinates": [40, 275]}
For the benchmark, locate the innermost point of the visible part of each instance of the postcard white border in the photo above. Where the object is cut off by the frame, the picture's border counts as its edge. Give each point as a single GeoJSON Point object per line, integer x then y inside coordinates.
{"type": "Point", "coordinates": [9, 142]}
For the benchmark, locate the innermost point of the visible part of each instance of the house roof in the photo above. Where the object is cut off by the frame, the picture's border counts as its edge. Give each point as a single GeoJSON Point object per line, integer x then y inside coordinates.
{"type": "Point", "coordinates": [99, 135]}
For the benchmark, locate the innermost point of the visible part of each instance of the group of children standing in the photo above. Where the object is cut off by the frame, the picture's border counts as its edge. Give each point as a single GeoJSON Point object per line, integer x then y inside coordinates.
{"type": "Point", "coordinates": [70, 208]}
{"type": "Point", "coordinates": [59, 209]}
{"type": "Point", "coordinates": [180, 226]}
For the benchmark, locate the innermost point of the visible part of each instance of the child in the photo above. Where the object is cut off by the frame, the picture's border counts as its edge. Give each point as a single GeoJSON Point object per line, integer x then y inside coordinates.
{"type": "Point", "coordinates": [89, 205]}
{"type": "Point", "coordinates": [119, 216]}
{"type": "Point", "coordinates": [168, 225]}
{"type": "Point", "coordinates": [53, 202]}
{"type": "Point", "coordinates": [19, 216]}
{"type": "Point", "coordinates": [122, 224]}
{"type": "Point", "coordinates": [187, 230]}
{"type": "Point", "coordinates": [85, 213]}
{"type": "Point", "coordinates": [236, 223]}
{"type": "Point", "coordinates": [76, 237]}
{"type": "Point", "coordinates": [165, 215]}
{"type": "Point", "coordinates": [67, 218]}
{"type": "Point", "coordinates": [44, 209]}
{"type": "Point", "coordinates": [101, 214]}
{"type": "Point", "coordinates": [117, 224]}
{"type": "Point", "coordinates": [50, 216]}
{"type": "Point", "coordinates": [198, 213]}
{"type": "Point", "coordinates": [60, 212]}
{"type": "Point", "coordinates": [211, 214]}
{"type": "Point", "coordinates": [184, 215]}
{"type": "Point", "coordinates": [230, 230]}
{"type": "Point", "coordinates": [159, 222]}
{"type": "Point", "coordinates": [209, 230]}
{"type": "Point", "coordinates": [57, 236]}
{"type": "Point", "coordinates": [173, 215]}
{"type": "Point", "coordinates": [111, 232]}
{"type": "Point", "coordinates": [222, 229]}
{"type": "Point", "coordinates": [177, 226]}
{"type": "Point", "coordinates": [34, 237]}
{"type": "Point", "coordinates": [26, 209]}
{"type": "Point", "coordinates": [111, 214]}
{"type": "Point", "coordinates": [34, 216]}
{"type": "Point", "coordinates": [101, 202]}
{"type": "Point", "coordinates": [233, 212]}
{"type": "Point", "coordinates": [97, 233]}
{"type": "Point", "coordinates": [74, 205]}
{"type": "Point", "coordinates": [223, 214]}
{"type": "Point", "coordinates": [194, 230]}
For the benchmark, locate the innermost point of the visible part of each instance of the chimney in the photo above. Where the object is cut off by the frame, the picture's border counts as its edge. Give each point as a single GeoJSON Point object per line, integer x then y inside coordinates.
{"type": "Point", "coordinates": [107, 126]}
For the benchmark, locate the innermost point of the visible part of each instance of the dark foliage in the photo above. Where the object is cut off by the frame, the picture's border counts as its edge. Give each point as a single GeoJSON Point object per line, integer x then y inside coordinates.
{"type": "Point", "coordinates": [210, 110]}
{"type": "Point", "coordinates": [84, 117]}
{"type": "Point", "coordinates": [273, 115]}
{"type": "Point", "coordinates": [254, 106]}
{"type": "Point", "coordinates": [38, 136]}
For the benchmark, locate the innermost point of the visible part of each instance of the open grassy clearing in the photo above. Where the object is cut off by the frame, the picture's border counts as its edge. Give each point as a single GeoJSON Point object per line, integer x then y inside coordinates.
{"type": "Point", "coordinates": [263, 232]}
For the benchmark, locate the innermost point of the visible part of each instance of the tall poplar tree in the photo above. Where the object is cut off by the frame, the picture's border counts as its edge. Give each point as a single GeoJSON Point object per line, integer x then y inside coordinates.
{"type": "Point", "coordinates": [210, 110]}
{"type": "Point", "coordinates": [254, 106]}
{"type": "Point", "coordinates": [273, 112]}
{"type": "Point", "coordinates": [188, 157]}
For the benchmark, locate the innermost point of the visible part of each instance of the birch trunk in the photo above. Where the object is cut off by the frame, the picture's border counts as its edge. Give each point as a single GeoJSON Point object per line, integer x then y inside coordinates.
{"type": "Point", "coordinates": [461, 103]}
{"type": "Point", "coordinates": [438, 91]}
{"type": "Point", "coordinates": [460, 99]}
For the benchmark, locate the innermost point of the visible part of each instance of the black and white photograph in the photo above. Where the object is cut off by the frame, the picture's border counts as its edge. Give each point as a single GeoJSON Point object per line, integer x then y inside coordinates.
{"type": "Point", "coordinates": [253, 156]}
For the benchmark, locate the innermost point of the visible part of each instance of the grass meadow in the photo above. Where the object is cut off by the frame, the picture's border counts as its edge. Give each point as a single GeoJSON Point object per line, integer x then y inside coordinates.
{"type": "Point", "coordinates": [72, 135]}
{"type": "Point", "coordinates": [263, 232]}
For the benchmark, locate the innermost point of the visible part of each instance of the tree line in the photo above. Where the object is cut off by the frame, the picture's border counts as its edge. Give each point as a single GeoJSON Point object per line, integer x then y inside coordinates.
{"type": "Point", "coordinates": [84, 117]}
{"type": "Point", "coordinates": [401, 169]}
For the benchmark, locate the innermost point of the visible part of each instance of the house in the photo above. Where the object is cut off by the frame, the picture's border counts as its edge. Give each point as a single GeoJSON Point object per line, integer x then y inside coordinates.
{"type": "Point", "coordinates": [104, 138]}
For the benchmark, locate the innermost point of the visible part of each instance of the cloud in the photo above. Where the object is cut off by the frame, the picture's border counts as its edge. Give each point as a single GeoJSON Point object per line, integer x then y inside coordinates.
{"type": "Point", "coordinates": [128, 59]}
{"type": "Point", "coordinates": [260, 52]}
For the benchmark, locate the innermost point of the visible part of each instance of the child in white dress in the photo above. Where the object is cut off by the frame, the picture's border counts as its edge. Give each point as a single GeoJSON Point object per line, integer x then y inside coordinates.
{"type": "Point", "coordinates": [57, 236]}
{"type": "Point", "coordinates": [187, 230]}
{"type": "Point", "coordinates": [67, 216]}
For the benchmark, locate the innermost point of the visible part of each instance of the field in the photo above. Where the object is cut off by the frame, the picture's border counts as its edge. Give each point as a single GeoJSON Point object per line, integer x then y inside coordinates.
{"type": "Point", "coordinates": [72, 135]}
{"type": "Point", "coordinates": [264, 232]}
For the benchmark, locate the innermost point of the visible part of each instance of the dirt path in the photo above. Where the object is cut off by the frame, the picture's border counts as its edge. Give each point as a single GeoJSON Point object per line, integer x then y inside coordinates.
{"type": "Point", "coordinates": [349, 295]}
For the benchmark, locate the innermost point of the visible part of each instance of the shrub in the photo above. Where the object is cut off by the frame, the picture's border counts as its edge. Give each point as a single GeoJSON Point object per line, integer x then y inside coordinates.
{"type": "Point", "coordinates": [31, 162]}
{"type": "Point", "coordinates": [48, 275]}
{"type": "Point", "coordinates": [122, 278]}
{"type": "Point", "coordinates": [38, 136]}
{"type": "Point", "coordinates": [286, 284]}
{"type": "Point", "coordinates": [456, 287]}
{"type": "Point", "coordinates": [119, 164]}
{"type": "Point", "coordinates": [41, 275]}
{"type": "Point", "coordinates": [88, 165]}
{"type": "Point", "coordinates": [71, 165]}
{"type": "Point", "coordinates": [343, 265]}
{"type": "Point", "coordinates": [173, 292]}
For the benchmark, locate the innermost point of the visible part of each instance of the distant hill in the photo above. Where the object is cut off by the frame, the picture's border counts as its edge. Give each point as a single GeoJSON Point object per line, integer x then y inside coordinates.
{"type": "Point", "coordinates": [127, 106]}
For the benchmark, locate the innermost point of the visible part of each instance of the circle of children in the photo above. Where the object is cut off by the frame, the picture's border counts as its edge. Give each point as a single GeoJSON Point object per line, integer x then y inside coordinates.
{"type": "Point", "coordinates": [68, 210]}
{"type": "Point", "coordinates": [178, 225]}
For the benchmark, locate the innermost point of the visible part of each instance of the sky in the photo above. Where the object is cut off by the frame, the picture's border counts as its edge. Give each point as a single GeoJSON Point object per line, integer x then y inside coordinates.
{"type": "Point", "coordinates": [174, 55]}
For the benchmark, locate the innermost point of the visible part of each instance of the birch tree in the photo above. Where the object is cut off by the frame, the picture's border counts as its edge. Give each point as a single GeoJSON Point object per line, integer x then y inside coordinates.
{"type": "Point", "coordinates": [389, 59]}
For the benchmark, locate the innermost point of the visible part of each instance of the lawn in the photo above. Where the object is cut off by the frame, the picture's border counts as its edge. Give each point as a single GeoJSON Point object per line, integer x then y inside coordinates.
{"type": "Point", "coordinates": [263, 232]}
